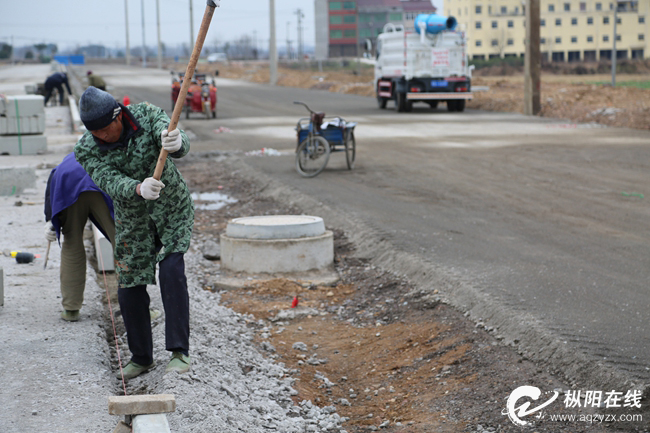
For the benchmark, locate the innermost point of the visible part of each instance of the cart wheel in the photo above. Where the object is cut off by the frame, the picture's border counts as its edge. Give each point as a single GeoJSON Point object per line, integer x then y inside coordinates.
{"type": "Point", "coordinates": [312, 156]}
{"type": "Point", "coordinates": [350, 150]}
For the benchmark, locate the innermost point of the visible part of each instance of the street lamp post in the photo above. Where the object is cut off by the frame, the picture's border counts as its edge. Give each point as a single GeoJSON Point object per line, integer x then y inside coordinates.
{"type": "Point", "coordinates": [159, 40]}
{"type": "Point", "coordinates": [614, 45]}
{"type": "Point", "coordinates": [273, 53]}
{"type": "Point", "coordinates": [144, 44]}
{"type": "Point", "coordinates": [191, 27]}
{"type": "Point", "coordinates": [126, 18]}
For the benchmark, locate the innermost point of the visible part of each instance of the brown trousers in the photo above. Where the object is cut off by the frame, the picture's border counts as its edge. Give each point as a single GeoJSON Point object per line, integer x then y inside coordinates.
{"type": "Point", "coordinates": [73, 254]}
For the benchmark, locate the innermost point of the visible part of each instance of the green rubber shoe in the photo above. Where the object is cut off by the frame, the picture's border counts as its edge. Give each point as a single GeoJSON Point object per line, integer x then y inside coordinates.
{"type": "Point", "coordinates": [70, 315]}
{"type": "Point", "coordinates": [133, 370]}
{"type": "Point", "coordinates": [179, 363]}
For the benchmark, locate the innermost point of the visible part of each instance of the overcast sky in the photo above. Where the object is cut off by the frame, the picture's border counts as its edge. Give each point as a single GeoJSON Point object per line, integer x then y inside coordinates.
{"type": "Point", "coordinates": [69, 23]}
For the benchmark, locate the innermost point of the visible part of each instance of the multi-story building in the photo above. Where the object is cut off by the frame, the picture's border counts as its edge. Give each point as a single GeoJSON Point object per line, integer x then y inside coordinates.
{"type": "Point", "coordinates": [571, 30]}
{"type": "Point", "coordinates": [352, 23]}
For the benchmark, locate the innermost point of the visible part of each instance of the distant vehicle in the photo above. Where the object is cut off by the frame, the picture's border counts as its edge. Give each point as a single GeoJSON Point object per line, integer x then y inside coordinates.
{"type": "Point", "coordinates": [426, 65]}
{"type": "Point", "coordinates": [201, 95]}
{"type": "Point", "coordinates": [217, 57]}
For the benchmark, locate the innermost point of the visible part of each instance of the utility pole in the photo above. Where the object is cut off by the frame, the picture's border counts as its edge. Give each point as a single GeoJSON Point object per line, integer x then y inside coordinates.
{"type": "Point", "coordinates": [288, 41]}
{"type": "Point", "coordinates": [273, 52]}
{"type": "Point", "coordinates": [358, 47]}
{"type": "Point", "coordinates": [159, 42]}
{"type": "Point", "coordinates": [128, 47]}
{"type": "Point", "coordinates": [614, 45]}
{"type": "Point", "coordinates": [13, 49]}
{"type": "Point", "coordinates": [300, 17]}
{"type": "Point", "coordinates": [255, 44]}
{"type": "Point", "coordinates": [144, 45]}
{"type": "Point", "coordinates": [191, 27]}
{"type": "Point", "coordinates": [532, 66]}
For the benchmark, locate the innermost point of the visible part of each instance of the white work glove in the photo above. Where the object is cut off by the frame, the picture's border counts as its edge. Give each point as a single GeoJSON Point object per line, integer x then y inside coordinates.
{"type": "Point", "coordinates": [50, 232]}
{"type": "Point", "coordinates": [171, 141]}
{"type": "Point", "coordinates": [150, 188]}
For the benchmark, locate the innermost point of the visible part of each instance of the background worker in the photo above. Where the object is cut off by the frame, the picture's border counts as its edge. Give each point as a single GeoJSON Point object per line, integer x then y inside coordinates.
{"type": "Point", "coordinates": [56, 81]}
{"type": "Point", "coordinates": [71, 198]}
{"type": "Point", "coordinates": [96, 81]}
{"type": "Point", "coordinates": [154, 219]}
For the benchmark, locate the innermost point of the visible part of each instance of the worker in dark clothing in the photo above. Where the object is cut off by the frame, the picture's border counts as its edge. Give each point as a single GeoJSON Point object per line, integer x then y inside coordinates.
{"type": "Point", "coordinates": [95, 80]}
{"type": "Point", "coordinates": [56, 81]}
{"type": "Point", "coordinates": [71, 198]}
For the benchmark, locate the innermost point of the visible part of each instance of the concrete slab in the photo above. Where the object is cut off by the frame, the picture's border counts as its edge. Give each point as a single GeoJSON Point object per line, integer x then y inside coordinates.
{"type": "Point", "coordinates": [22, 105]}
{"type": "Point", "coordinates": [327, 277]}
{"type": "Point", "coordinates": [22, 145]}
{"type": "Point", "coordinates": [14, 180]}
{"type": "Point", "coordinates": [141, 404]}
{"type": "Point", "coordinates": [151, 424]}
{"type": "Point", "coordinates": [24, 125]}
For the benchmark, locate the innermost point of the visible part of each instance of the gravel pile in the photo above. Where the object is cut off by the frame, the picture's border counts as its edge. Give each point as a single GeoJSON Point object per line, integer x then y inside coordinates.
{"type": "Point", "coordinates": [231, 387]}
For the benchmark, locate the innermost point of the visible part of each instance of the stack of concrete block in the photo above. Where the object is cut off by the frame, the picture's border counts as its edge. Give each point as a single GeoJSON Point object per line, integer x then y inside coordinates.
{"type": "Point", "coordinates": [22, 125]}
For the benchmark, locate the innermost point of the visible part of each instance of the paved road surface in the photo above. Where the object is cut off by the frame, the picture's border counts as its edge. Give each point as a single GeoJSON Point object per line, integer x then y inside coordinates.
{"type": "Point", "coordinates": [530, 212]}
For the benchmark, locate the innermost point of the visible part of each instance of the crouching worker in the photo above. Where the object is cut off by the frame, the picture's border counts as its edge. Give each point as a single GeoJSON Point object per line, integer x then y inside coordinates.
{"type": "Point", "coordinates": [71, 198]}
{"type": "Point", "coordinates": [153, 219]}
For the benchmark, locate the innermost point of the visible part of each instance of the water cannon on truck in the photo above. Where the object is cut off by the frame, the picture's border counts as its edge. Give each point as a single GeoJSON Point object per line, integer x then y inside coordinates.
{"type": "Point", "coordinates": [428, 64]}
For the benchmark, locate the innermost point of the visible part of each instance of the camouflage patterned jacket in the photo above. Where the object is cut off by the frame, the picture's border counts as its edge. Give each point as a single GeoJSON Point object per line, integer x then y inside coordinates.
{"type": "Point", "coordinates": [140, 225]}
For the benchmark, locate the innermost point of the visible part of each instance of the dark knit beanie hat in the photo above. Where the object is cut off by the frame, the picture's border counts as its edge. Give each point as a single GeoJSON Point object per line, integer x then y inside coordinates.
{"type": "Point", "coordinates": [97, 108]}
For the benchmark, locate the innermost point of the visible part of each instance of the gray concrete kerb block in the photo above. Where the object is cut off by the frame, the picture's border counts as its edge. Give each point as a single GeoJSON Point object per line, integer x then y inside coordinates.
{"type": "Point", "coordinates": [156, 423]}
{"type": "Point", "coordinates": [141, 404]}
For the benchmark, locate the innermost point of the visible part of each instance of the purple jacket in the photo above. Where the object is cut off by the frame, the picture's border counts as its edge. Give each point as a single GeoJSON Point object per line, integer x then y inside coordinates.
{"type": "Point", "coordinates": [68, 180]}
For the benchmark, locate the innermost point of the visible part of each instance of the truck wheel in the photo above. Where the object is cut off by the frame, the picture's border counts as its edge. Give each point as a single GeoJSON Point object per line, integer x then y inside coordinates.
{"type": "Point", "coordinates": [381, 102]}
{"type": "Point", "coordinates": [460, 105]}
{"type": "Point", "coordinates": [408, 106]}
{"type": "Point", "coordinates": [451, 105]}
{"type": "Point", "coordinates": [433, 104]}
{"type": "Point", "coordinates": [401, 102]}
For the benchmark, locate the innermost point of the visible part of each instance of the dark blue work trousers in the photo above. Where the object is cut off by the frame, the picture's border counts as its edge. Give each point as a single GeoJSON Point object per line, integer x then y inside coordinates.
{"type": "Point", "coordinates": [134, 305]}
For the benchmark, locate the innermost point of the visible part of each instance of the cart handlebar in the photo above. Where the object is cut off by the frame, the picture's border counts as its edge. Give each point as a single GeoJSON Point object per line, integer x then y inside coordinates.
{"type": "Point", "coordinates": [305, 105]}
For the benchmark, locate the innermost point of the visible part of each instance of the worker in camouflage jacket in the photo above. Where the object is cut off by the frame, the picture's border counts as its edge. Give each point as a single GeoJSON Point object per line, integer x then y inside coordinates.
{"type": "Point", "coordinates": [153, 219]}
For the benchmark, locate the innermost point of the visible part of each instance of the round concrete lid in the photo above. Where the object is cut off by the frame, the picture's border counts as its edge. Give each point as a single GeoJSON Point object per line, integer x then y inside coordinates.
{"type": "Point", "coordinates": [276, 227]}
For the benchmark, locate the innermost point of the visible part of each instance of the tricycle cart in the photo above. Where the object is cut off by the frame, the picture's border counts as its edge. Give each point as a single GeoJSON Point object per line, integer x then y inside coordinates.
{"type": "Point", "coordinates": [318, 136]}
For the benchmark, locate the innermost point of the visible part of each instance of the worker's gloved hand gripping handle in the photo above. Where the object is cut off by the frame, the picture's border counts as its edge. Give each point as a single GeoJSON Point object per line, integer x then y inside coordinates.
{"type": "Point", "coordinates": [189, 73]}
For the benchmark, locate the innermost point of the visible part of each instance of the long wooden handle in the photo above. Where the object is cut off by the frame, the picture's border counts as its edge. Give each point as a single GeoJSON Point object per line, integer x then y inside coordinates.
{"type": "Point", "coordinates": [189, 72]}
